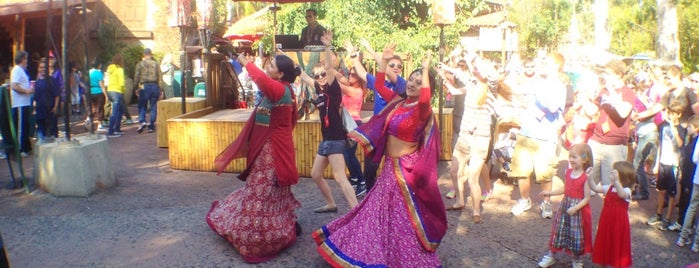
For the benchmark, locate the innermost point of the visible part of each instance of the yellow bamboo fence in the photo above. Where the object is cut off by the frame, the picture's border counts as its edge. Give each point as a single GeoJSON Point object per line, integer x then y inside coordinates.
{"type": "Point", "coordinates": [196, 138]}
{"type": "Point", "coordinates": [170, 108]}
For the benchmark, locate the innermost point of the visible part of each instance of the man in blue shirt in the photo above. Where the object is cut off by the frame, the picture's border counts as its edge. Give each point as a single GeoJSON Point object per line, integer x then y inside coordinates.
{"type": "Point", "coordinates": [394, 81]}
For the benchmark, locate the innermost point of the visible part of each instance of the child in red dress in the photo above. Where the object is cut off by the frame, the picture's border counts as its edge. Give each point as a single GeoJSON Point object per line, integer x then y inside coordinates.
{"type": "Point", "coordinates": [613, 241]}
{"type": "Point", "coordinates": [572, 226]}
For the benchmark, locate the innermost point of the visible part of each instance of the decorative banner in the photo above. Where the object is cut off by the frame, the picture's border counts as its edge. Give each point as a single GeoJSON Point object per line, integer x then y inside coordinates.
{"type": "Point", "coordinates": [443, 12]}
{"type": "Point", "coordinates": [203, 14]}
{"type": "Point", "coordinates": [180, 11]}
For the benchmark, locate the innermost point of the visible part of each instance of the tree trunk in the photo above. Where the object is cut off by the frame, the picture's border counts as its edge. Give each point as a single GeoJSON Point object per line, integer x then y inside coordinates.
{"type": "Point", "coordinates": [667, 44]}
{"type": "Point", "coordinates": [602, 34]}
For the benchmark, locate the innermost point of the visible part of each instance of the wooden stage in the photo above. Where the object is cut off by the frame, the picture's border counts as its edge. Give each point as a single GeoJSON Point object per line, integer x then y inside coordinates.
{"type": "Point", "coordinates": [196, 138]}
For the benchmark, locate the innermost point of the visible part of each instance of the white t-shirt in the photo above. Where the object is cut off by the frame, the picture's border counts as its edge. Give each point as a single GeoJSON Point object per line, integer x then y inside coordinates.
{"type": "Point", "coordinates": [19, 76]}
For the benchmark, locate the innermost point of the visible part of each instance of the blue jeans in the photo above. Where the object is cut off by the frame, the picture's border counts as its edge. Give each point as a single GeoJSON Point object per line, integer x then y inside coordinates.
{"type": "Point", "coordinates": [117, 100]}
{"type": "Point", "coordinates": [352, 162]}
{"type": "Point", "coordinates": [149, 94]}
{"type": "Point", "coordinates": [647, 146]}
{"type": "Point", "coordinates": [22, 118]}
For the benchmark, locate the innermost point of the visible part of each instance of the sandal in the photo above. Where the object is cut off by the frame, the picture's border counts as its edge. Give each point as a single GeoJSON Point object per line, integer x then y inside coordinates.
{"type": "Point", "coordinates": [451, 194]}
{"type": "Point", "coordinates": [325, 209]}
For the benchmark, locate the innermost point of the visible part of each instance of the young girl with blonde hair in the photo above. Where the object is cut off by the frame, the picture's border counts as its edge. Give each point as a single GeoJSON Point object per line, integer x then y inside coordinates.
{"type": "Point", "coordinates": [572, 226]}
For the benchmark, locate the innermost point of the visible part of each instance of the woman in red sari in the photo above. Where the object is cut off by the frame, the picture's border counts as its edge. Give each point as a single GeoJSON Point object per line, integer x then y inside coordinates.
{"type": "Point", "coordinates": [258, 219]}
{"type": "Point", "coordinates": [402, 220]}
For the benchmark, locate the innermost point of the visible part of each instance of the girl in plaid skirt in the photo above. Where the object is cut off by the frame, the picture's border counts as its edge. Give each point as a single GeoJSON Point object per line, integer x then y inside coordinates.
{"type": "Point", "coordinates": [572, 226]}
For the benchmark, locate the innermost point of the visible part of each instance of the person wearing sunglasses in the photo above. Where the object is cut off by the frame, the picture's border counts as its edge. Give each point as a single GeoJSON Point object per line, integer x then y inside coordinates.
{"type": "Point", "coordinates": [393, 81]}
{"type": "Point", "coordinates": [258, 219]}
{"type": "Point", "coordinates": [311, 34]}
{"type": "Point", "coordinates": [402, 218]}
{"type": "Point", "coordinates": [334, 143]}
{"type": "Point", "coordinates": [354, 91]}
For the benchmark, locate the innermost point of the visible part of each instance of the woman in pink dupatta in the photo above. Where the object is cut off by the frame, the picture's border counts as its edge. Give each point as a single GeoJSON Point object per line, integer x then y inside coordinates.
{"type": "Point", "coordinates": [402, 220]}
{"type": "Point", "coordinates": [258, 219]}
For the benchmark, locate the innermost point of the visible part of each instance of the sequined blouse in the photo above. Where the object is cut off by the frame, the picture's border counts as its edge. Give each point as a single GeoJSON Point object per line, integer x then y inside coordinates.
{"type": "Point", "coordinates": [406, 120]}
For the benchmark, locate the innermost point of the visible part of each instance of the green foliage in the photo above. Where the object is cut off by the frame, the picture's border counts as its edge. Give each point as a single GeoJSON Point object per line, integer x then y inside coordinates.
{"type": "Point", "coordinates": [218, 17]}
{"type": "Point", "coordinates": [378, 22]}
{"type": "Point", "coordinates": [132, 55]}
{"type": "Point", "coordinates": [633, 27]}
{"type": "Point", "coordinates": [110, 36]}
{"type": "Point", "coordinates": [547, 27]}
{"type": "Point", "coordinates": [687, 11]}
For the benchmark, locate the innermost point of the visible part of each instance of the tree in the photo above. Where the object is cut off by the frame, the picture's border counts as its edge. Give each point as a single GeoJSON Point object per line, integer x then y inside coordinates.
{"type": "Point", "coordinates": [667, 44]}
{"type": "Point", "coordinates": [545, 28]}
{"type": "Point", "coordinates": [602, 34]}
{"type": "Point", "coordinates": [688, 27]}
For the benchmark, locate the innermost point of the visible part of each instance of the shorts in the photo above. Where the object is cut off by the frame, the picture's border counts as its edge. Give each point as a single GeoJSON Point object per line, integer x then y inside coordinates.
{"type": "Point", "coordinates": [326, 148]}
{"type": "Point", "coordinates": [667, 179]}
{"type": "Point", "coordinates": [532, 155]}
{"type": "Point", "coordinates": [468, 149]}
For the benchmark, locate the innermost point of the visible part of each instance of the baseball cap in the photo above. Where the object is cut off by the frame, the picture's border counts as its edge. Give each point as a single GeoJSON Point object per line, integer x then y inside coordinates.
{"type": "Point", "coordinates": [146, 51]}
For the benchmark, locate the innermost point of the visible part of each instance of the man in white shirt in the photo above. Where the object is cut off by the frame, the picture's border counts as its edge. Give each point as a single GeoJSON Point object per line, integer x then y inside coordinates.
{"type": "Point", "coordinates": [21, 91]}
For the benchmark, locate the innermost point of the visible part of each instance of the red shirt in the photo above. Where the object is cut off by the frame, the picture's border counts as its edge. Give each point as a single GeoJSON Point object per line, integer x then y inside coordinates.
{"type": "Point", "coordinates": [610, 128]}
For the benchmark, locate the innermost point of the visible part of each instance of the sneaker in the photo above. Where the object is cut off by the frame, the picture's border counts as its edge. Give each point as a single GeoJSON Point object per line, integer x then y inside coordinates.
{"type": "Point", "coordinates": [3, 156]}
{"type": "Point", "coordinates": [451, 194]}
{"type": "Point", "coordinates": [151, 130]}
{"type": "Point", "coordinates": [652, 182]}
{"type": "Point", "coordinates": [128, 122]}
{"type": "Point", "coordinates": [120, 133]}
{"type": "Point", "coordinates": [113, 135]}
{"type": "Point", "coordinates": [681, 241]}
{"type": "Point", "coordinates": [664, 225]}
{"type": "Point", "coordinates": [522, 206]}
{"type": "Point", "coordinates": [354, 182]}
{"type": "Point", "coordinates": [547, 261]}
{"type": "Point", "coordinates": [141, 127]}
{"type": "Point", "coordinates": [23, 155]}
{"type": "Point", "coordinates": [675, 227]}
{"type": "Point", "coordinates": [546, 211]}
{"type": "Point", "coordinates": [655, 220]}
{"type": "Point", "coordinates": [361, 189]}
{"type": "Point", "coordinates": [577, 264]}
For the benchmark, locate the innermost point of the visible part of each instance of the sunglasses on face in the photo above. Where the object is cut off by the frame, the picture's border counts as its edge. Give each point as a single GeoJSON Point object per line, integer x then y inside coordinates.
{"type": "Point", "coordinates": [320, 75]}
{"type": "Point", "coordinates": [353, 74]}
{"type": "Point", "coordinates": [393, 65]}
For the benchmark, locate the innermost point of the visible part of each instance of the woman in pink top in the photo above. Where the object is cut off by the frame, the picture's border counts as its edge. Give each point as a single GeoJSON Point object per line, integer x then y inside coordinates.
{"type": "Point", "coordinates": [353, 92]}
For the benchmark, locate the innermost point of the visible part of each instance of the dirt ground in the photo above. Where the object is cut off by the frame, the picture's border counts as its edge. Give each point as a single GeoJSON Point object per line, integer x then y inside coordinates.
{"type": "Point", "coordinates": [154, 217]}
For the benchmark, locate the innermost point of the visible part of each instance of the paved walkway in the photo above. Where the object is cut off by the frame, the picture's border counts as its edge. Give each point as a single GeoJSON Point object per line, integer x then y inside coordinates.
{"type": "Point", "coordinates": [154, 217]}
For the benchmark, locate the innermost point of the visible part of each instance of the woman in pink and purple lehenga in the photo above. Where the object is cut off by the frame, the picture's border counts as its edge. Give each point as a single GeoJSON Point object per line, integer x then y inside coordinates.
{"type": "Point", "coordinates": [402, 220]}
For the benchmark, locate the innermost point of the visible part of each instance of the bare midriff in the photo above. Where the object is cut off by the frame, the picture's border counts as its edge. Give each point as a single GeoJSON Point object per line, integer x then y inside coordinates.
{"type": "Point", "coordinates": [396, 147]}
